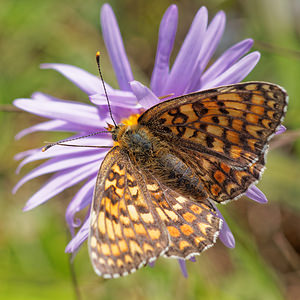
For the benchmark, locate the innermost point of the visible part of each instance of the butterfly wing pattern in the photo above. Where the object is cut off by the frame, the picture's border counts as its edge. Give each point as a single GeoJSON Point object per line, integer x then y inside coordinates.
{"type": "Point", "coordinates": [126, 231]}
{"type": "Point", "coordinates": [135, 219]}
{"type": "Point", "coordinates": [232, 123]}
{"type": "Point", "coordinates": [222, 181]}
{"type": "Point", "coordinates": [192, 226]}
{"type": "Point", "coordinates": [222, 135]}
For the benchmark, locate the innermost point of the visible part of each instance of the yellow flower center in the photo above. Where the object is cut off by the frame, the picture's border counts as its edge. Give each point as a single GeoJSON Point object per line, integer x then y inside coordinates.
{"type": "Point", "coordinates": [132, 120]}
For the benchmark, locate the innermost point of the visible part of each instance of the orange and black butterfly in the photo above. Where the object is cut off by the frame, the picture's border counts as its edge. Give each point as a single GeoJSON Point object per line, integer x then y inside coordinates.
{"type": "Point", "coordinates": [155, 187]}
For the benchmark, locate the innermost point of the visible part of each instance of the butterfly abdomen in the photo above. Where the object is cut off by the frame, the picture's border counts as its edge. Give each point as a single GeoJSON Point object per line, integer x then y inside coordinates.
{"type": "Point", "coordinates": [177, 175]}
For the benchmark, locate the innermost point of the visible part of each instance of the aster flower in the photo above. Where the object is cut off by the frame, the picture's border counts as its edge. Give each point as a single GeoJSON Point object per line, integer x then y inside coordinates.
{"type": "Point", "coordinates": [189, 73]}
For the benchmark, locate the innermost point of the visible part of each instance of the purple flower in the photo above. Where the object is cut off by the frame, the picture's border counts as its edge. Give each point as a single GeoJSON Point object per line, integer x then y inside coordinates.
{"type": "Point", "coordinates": [189, 73]}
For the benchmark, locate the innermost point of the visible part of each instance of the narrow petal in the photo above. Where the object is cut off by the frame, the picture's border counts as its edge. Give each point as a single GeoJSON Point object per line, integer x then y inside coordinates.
{"type": "Point", "coordinates": [57, 164]}
{"type": "Point", "coordinates": [48, 98]}
{"type": "Point", "coordinates": [226, 60]}
{"type": "Point", "coordinates": [61, 181]}
{"type": "Point", "coordinates": [79, 238]}
{"type": "Point", "coordinates": [166, 37]}
{"type": "Point", "coordinates": [123, 99]}
{"type": "Point", "coordinates": [256, 194]}
{"type": "Point", "coordinates": [64, 152]}
{"type": "Point", "coordinates": [182, 265]}
{"type": "Point", "coordinates": [187, 58]}
{"type": "Point", "coordinates": [144, 95]}
{"type": "Point", "coordinates": [86, 108]}
{"type": "Point", "coordinates": [82, 199]}
{"type": "Point", "coordinates": [55, 125]}
{"type": "Point", "coordinates": [151, 264]}
{"type": "Point", "coordinates": [70, 112]}
{"type": "Point", "coordinates": [193, 259]}
{"type": "Point", "coordinates": [114, 45]}
{"type": "Point", "coordinates": [24, 154]}
{"type": "Point", "coordinates": [212, 38]}
{"type": "Point", "coordinates": [236, 73]}
{"type": "Point", "coordinates": [87, 82]}
{"type": "Point", "coordinates": [281, 129]}
{"type": "Point", "coordinates": [225, 235]}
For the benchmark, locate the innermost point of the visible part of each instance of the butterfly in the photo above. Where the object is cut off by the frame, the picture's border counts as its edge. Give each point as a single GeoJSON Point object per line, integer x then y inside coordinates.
{"type": "Point", "coordinates": [156, 187]}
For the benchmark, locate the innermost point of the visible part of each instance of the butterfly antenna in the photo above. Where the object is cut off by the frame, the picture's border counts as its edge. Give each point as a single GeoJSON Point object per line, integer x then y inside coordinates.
{"type": "Point", "coordinates": [101, 77]}
{"type": "Point", "coordinates": [72, 139]}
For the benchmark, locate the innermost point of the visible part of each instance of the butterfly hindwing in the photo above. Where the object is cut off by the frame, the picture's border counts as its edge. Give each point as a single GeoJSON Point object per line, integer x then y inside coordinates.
{"type": "Point", "coordinates": [126, 232]}
{"type": "Point", "coordinates": [222, 182]}
{"type": "Point", "coordinates": [232, 123]}
{"type": "Point", "coordinates": [193, 227]}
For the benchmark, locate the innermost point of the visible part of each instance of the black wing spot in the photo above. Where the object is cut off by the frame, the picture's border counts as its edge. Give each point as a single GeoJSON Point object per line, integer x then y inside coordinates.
{"type": "Point", "coordinates": [209, 141]}
{"type": "Point", "coordinates": [224, 111]}
{"type": "Point", "coordinates": [216, 120]}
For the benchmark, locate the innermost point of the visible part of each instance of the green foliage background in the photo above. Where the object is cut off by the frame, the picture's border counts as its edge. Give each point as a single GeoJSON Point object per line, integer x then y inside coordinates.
{"type": "Point", "coordinates": [265, 263]}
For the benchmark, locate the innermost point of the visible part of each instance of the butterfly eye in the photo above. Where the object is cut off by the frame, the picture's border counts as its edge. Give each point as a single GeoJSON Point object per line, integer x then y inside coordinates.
{"type": "Point", "coordinates": [114, 133]}
{"type": "Point", "coordinates": [114, 137]}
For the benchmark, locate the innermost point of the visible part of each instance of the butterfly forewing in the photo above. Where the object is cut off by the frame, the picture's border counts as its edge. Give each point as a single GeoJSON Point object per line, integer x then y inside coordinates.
{"type": "Point", "coordinates": [232, 123]}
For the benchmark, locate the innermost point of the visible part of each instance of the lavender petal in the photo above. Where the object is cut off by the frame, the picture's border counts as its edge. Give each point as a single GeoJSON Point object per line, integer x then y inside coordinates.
{"type": "Point", "coordinates": [225, 235]}
{"type": "Point", "coordinates": [187, 58]}
{"type": "Point", "coordinates": [151, 264]}
{"type": "Point", "coordinates": [166, 37]}
{"type": "Point", "coordinates": [256, 194]}
{"type": "Point", "coordinates": [87, 82]}
{"type": "Point", "coordinates": [26, 153]}
{"type": "Point", "coordinates": [114, 45]}
{"type": "Point", "coordinates": [144, 95]}
{"type": "Point", "coordinates": [182, 265]}
{"type": "Point", "coordinates": [126, 99]}
{"type": "Point", "coordinates": [281, 129]}
{"type": "Point", "coordinates": [211, 40]}
{"type": "Point", "coordinates": [71, 112]}
{"type": "Point", "coordinates": [57, 164]}
{"type": "Point", "coordinates": [82, 199]}
{"type": "Point", "coordinates": [64, 152]}
{"type": "Point", "coordinates": [226, 60]}
{"type": "Point", "coordinates": [60, 182]}
{"type": "Point", "coordinates": [79, 238]}
{"type": "Point", "coordinates": [235, 73]}
{"type": "Point", "coordinates": [54, 125]}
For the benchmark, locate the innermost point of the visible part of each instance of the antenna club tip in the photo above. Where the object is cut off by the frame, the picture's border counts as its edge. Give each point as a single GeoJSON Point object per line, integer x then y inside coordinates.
{"type": "Point", "coordinates": [97, 53]}
{"type": "Point", "coordinates": [46, 148]}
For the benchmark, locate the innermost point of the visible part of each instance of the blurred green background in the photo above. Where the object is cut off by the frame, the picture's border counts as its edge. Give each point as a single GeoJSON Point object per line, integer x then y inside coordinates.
{"type": "Point", "coordinates": [266, 261]}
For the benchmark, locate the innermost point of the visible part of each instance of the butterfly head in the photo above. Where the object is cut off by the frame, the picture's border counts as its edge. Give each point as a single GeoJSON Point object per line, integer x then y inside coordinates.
{"type": "Point", "coordinates": [119, 130]}
{"type": "Point", "coordinates": [114, 130]}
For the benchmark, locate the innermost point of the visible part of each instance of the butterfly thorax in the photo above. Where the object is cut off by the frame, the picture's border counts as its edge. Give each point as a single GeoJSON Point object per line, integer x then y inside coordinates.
{"type": "Point", "coordinates": [151, 154]}
{"type": "Point", "coordinates": [136, 140]}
